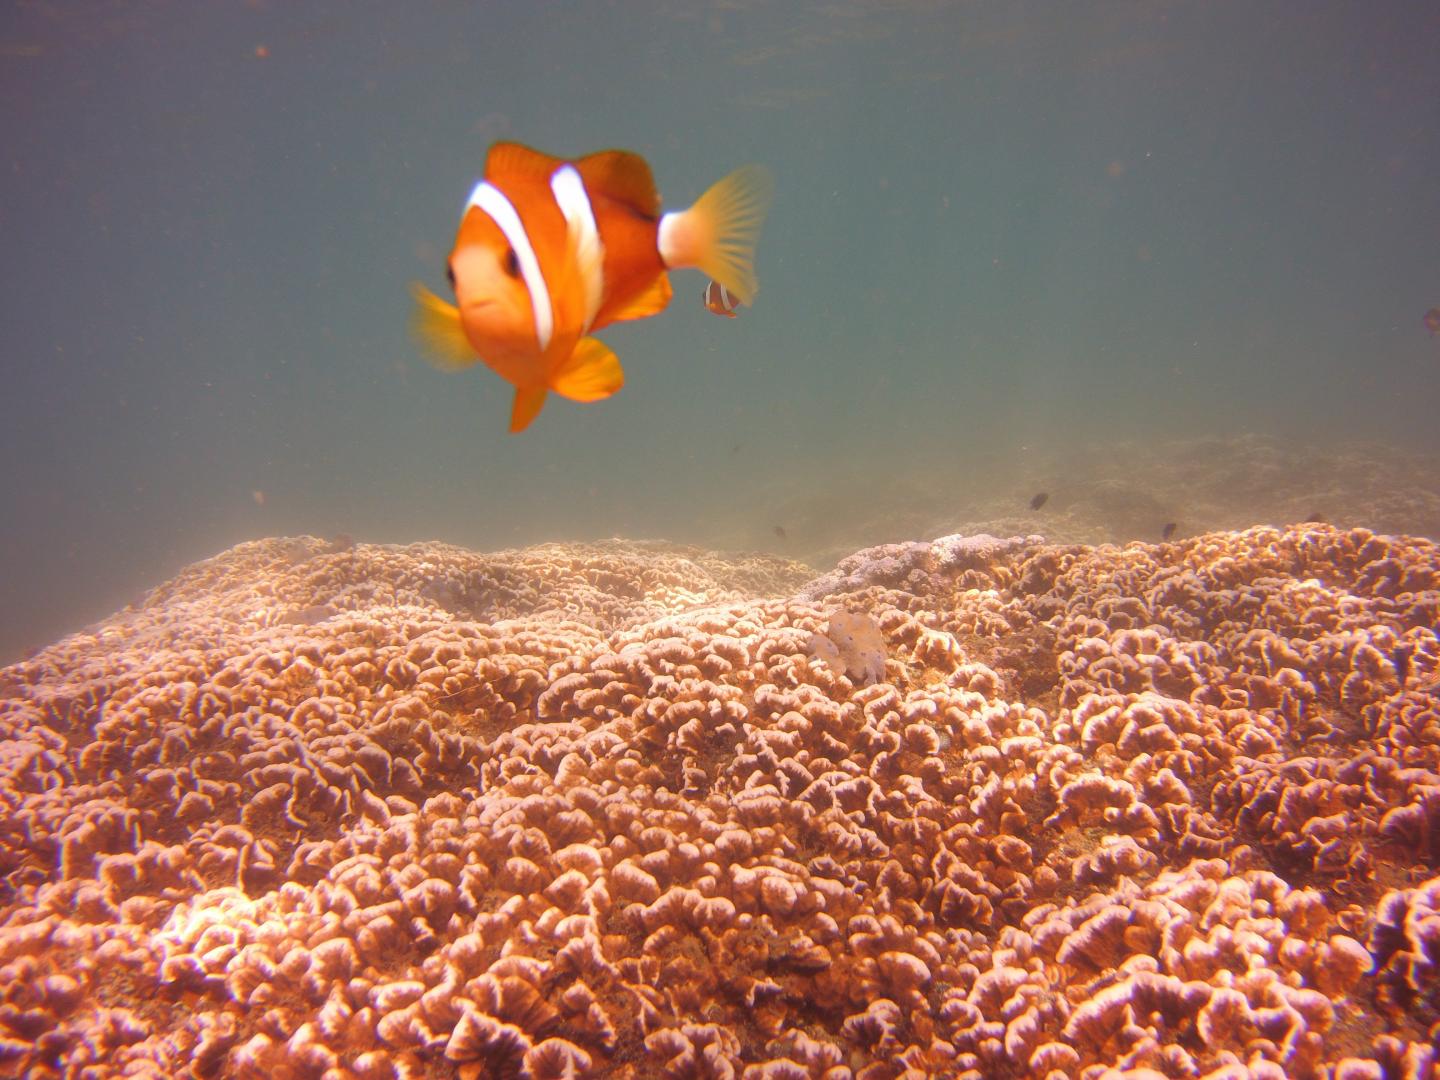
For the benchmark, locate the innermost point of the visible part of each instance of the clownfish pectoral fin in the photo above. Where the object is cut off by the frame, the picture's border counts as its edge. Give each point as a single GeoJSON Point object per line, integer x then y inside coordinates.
{"type": "Point", "coordinates": [651, 302]}
{"type": "Point", "coordinates": [436, 326]}
{"type": "Point", "coordinates": [718, 234]}
{"type": "Point", "coordinates": [590, 373]}
{"type": "Point", "coordinates": [622, 176]}
{"type": "Point", "coordinates": [529, 400]}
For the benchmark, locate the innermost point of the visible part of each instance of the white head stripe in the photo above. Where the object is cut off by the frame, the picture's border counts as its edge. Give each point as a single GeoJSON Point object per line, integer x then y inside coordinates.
{"type": "Point", "coordinates": [574, 203]}
{"type": "Point", "coordinates": [492, 201]}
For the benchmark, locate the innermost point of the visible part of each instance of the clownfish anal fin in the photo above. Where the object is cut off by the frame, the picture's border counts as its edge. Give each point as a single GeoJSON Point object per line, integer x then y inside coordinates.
{"type": "Point", "coordinates": [435, 324]}
{"type": "Point", "coordinates": [590, 373]}
{"type": "Point", "coordinates": [650, 302]}
{"type": "Point", "coordinates": [516, 160]}
{"type": "Point", "coordinates": [623, 177]}
{"type": "Point", "coordinates": [528, 402]}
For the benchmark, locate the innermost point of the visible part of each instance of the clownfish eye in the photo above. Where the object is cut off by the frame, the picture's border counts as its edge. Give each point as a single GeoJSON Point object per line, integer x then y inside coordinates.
{"type": "Point", "coordinates": [450, 275]}
{"type": "Point", "coordinates": [512, 263]}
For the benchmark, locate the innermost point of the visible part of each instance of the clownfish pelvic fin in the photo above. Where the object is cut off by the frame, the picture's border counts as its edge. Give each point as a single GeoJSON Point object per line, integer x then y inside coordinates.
{"type": "Point", "coordinates": [590, 373]}
{"type": "Point", "coordinates": [529, 400]}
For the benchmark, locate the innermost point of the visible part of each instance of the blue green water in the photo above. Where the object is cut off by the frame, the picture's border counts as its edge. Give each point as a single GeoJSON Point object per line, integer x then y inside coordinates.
{"type": "Point", "coordinates": [1001, 231]}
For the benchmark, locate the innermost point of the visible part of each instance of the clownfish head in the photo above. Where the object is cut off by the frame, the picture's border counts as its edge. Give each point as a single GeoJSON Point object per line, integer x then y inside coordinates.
{"type": "Point", "coordinates": [491, 290]}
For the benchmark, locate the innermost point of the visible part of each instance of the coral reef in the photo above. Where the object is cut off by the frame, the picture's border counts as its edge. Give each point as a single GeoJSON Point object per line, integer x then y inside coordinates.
{"type": "Point", "coordinates": [349, 811]}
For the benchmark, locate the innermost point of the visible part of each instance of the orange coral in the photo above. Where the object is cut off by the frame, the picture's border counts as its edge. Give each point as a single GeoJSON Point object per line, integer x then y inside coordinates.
{"type": "Point", "coordinates": [352, 811]}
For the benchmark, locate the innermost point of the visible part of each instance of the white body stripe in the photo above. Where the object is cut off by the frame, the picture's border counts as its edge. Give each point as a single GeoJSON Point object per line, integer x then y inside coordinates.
{"type": "Point", "coordinates": [493, 202]}
{"type": "Point", "coordinates": [574, 203]}
{"type": "Point", "coordinates": [666, 238]}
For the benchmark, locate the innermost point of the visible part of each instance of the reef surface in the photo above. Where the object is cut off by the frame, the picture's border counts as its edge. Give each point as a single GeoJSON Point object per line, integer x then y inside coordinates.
{"type": "Point", "coordinates": [340, 810]}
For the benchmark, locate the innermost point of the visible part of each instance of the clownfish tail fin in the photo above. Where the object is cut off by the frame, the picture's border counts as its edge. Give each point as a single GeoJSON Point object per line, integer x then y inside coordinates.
{"type": "Point", "coordinates": [718, 234]}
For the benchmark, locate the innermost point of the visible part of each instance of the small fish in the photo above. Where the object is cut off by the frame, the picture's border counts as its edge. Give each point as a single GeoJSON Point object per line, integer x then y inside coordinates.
{"type": "Point", "coordinates": [1039, 500]}
{"type": "Point", "coordinates": [1315, 518]}
{"type": "Point", "coordinates": [1432, 321]}
{"type": "Point", "coordinates": [720, 300]}
{"type": "Point", "coordinates": [550, 250]}
{"type": "Point", "coordinates": [779, 530]}
{"type": "Point", "coordinates": [1168, 531]}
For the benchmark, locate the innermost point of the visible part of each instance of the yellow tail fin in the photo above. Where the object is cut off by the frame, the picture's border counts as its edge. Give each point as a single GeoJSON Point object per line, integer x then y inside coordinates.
{"type": "Point", "coordinates": [436, 326]}
{"type": "Point", "coordinates": [718, 234]}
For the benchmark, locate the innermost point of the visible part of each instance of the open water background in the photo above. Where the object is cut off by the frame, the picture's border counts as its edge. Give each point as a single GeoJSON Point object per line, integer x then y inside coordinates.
{"type": "Point", "coordinates": [1004, 234]}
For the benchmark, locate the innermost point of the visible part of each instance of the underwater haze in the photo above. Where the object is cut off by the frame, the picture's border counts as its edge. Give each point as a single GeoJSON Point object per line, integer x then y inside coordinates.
{"type": "Point", "coordinates": [1162, 262]}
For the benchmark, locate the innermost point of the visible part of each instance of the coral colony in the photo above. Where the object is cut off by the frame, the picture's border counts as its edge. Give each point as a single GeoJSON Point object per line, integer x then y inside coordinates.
{"type": "Point", "coordinates": [971, 808]}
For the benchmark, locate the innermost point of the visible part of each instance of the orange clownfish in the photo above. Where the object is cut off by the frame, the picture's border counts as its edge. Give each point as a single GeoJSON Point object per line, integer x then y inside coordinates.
{"type": "Point", "coordinates": [549, 251]}
{"type": "Point", "coordinates": [720, 300]}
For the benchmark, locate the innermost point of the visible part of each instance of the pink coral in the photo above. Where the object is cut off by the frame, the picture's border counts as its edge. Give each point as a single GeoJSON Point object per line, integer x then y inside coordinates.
{"type": "Point", "coordinates": [356, 811]}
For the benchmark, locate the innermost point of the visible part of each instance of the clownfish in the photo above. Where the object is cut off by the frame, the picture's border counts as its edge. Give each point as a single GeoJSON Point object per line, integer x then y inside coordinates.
{"type": "Point", "coordinates": [720, 300]}
{"type": "Point", "coordinates": [550, 250]}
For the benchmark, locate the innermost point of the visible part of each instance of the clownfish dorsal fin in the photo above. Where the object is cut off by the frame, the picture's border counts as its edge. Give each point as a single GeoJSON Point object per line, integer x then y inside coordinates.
{"type": "Point", "coordinates": [508, 159]}
{"type": "Point", "coordinates": [622, 176]}
{"type": "Point", "coordinates": [651, 302]}
{"type": "Point", "coordinates": [590, 373]}
{"type": "Point", "coordinates": [436, 326]}
{"type": "Point", "coordinates": [528, 402]}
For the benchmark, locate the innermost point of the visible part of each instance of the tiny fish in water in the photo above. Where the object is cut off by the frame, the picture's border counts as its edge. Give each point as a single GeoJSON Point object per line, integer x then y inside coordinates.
{"type": "Point", "coordinates": [1039, 500]}
{"type": "Point", "coordinates": [1315, 517]}
{"type": "Point", "coordinates": [779, 531]}
{"type": "Point", "coordinates": [1432, 321]}
{"type": "Point", "coordinates": [1168, 531]}
{"type": "Point", "coordinates": [550, 250]}
{"type": "Point", "coordinates": [720, 300]}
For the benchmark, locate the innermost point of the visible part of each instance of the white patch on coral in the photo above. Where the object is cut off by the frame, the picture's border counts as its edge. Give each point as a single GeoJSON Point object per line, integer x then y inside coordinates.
{"type": "Point", "coordinates": [852, 645]}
